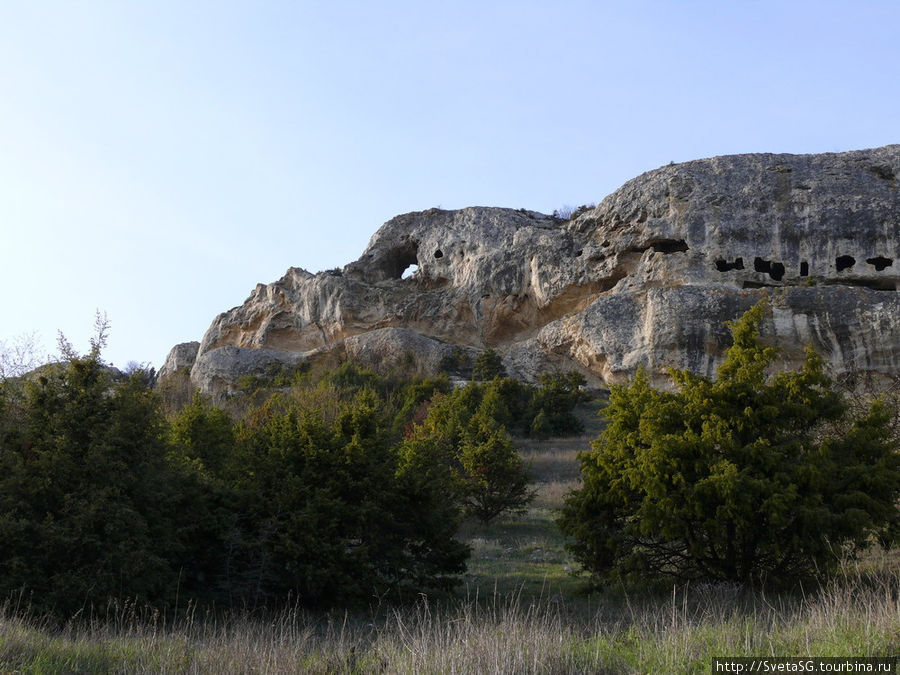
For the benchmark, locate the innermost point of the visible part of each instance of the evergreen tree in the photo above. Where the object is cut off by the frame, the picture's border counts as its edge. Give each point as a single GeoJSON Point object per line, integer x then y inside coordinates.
{"type": "Point", "coordinates": [555, 401]}
{"type": "Point", "coordinates": [471, 454]}
{"type": "Point", "coordinates": [329, 515]}
{"type": "Point", "coordinates": [488, 365]}
{"type": "Point", "coordinates": [732, 479]}
{"type": "Point", "coordinates": [85, 491]}
{"type": "Point", "coordinates": [494, 475]}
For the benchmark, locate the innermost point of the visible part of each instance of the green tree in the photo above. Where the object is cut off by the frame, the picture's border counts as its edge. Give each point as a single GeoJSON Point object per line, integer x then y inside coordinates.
{"type": "Point", "coordinates": [732, 479]}
{"type": "Point", "coordinates": [540, 426]}
{"type": "Point", "coordinates": [488, 365]}
{"type": "Point", "coordinates": [555, 401]}
{"type": "Point", "coordinates": [494, 475]}
{"type": "Point", "coordinates": [85, 491]}
{"type": "Point", "coordinates": [203, 434]}
{"type": "Point", "coordinates": [327, 513]}
{"type": "Point", "coordinates": [469, 452]}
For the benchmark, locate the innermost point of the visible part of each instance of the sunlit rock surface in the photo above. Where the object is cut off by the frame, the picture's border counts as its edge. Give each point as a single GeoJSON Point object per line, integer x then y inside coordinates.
{"type": "Point", "coordinates": [648, 277]}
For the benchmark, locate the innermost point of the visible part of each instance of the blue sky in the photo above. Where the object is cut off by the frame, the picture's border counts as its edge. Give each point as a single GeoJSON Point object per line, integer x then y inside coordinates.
{"type": "Point", "coordinates": [158, 159]}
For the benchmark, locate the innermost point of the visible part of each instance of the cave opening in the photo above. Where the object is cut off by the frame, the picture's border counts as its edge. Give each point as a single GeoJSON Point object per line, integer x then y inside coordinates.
{"type": "Point", "coordinates": [880, 262]}
{"type": "Point", "coordinates": [804, 269]}
{"type": "Point", "coordinates": [725, 266]}
{"type": "Point", "coordinates": [844, 262]}
{"type": "Point", "coordinates": [669, 246]}
{"type": "Point", "coordinates": [400, 261]}
{"type": "Point", "coordinates": [773, 269]}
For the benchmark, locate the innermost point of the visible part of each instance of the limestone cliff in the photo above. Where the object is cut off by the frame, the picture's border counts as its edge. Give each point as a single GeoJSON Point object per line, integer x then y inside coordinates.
{"type": "Point", "coordinates": [647, 277]}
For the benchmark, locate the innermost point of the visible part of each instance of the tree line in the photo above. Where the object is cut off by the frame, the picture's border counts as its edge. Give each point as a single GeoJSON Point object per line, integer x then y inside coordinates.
{"type": "Point", "coordinates": [345, 487]}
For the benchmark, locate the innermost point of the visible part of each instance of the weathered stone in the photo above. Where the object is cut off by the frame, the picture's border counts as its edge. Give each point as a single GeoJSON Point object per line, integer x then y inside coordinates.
{"type": "Point", "coordinates": [218, 370]}
{"type": "Point", "coordinates": [648, 277]}
{"type": "Point", "coordinates": [388, 350]}
{"type": "Point", "coordinates": [181, 357]}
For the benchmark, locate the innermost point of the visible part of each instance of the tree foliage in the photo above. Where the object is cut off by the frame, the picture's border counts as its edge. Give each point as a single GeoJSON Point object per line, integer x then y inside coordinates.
{"type": "Point", "coordinates": [733, 478]}
{"type": "Point", "coordinates": [488, 365]}
{"type": "Point", "coordinates": [469, 451]}
{"type": "Point", "coordinates": [326, 517]}
{"type": "Point", "coordinates": [306, 499]}
{"type": "Point", "coordinates": [85, 491]}
{"type": "Point", "coordinates": [495, 479]}
{"type": "Point", "coordinates": [342, 487]}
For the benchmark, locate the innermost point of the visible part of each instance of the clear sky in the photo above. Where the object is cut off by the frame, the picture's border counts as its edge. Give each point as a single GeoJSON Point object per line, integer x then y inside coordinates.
{"type": "Point", "coordinates": [160, 158]}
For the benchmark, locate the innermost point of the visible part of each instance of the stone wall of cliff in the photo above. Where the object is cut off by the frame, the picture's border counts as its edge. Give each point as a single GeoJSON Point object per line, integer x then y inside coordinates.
{"type": "Point", "coordinates": [648, 277]}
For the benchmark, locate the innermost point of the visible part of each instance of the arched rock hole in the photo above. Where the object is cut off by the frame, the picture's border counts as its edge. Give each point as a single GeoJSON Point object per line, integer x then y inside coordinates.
{"type": "Point", "coordinates": [402, 262]}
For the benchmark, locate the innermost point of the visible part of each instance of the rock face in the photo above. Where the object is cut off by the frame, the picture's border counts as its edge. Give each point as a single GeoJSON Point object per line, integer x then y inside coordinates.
{"type": "Point", "coordinates": [648, 278]}
{"type": "Point", "coordinates": [181, 357]}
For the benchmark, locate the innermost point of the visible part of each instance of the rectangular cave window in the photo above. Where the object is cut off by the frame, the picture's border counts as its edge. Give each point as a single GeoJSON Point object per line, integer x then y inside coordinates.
{"type": "Point", "coordinates": [804, 269]}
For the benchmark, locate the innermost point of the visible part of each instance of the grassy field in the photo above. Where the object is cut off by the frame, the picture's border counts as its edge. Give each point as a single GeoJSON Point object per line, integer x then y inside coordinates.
{"type": "Point", "coordinates": [522, 609]}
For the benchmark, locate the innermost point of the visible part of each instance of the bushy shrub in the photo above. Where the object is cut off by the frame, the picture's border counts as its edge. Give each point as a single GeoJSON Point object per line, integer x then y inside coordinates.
{"type": "Point", "coordinates": [470, 452]}
{"type": "Point", "coordinates": [488, 365]}
{"type": "Point", "coordinates": [307, 499]}
{"type": "Point", "coordinates": [494, 477]}
{"type": "Point", "coordinates": [457, 362]}
{"type": "Point", "coordinates": [731, 479]}
{"type": "Point", "coordinates": [86, 492]}
{"type": "Point", "coordinates": [325, 518]}
{"type": "Point", "coordinates": [555, 401]}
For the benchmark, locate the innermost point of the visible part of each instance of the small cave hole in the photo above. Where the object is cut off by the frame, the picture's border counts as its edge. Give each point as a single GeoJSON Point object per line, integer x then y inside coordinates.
{"type": "Point", "coordinates": [773, 269]}
{"type": "Point", "coordinates": [725, 266]}
{"type": "Point", "coordinates": [669, 246]}
{"type": "Point", "coordinates": [438, 253]}
{"type": "Point", "coordinates": [844, 262]}
{"type": "Point", "coordinates": [578, 253]}
{"type": "Point", "coordinates": [804, 269]}
{"type": "Point", "coordinates": [604, 244]}
{"type": "Point", "coordinates": [880, 262]}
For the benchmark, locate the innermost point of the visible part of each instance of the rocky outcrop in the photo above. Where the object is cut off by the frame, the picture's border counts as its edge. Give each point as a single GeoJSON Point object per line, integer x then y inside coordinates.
{"type": "Point", "coordinates": [181, 357]}
{"type": "Point", "coordinates": [648, 277]}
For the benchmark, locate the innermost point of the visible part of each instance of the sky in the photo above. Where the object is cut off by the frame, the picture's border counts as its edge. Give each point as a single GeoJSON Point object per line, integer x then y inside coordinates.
{"type": "Point", "coordinates": [159, 159]}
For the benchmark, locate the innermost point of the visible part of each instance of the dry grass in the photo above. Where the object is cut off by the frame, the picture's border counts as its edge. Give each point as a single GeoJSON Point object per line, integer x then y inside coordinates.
{"type": "Point", "coordinates": [857, 615]}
